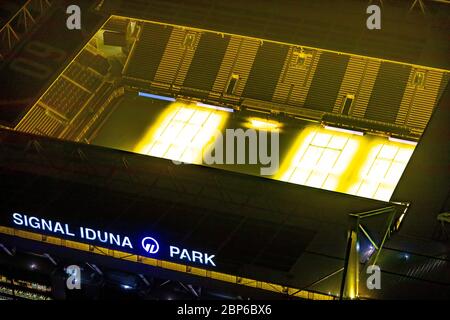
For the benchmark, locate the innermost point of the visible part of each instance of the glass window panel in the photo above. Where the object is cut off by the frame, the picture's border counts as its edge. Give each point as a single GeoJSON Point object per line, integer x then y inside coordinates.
{"type": "Point", "coordinates": [321, 139]}
{"type": "Point", "coordinates": [388, 152]}
{"type": "Point", "coordinates": [184, 133]}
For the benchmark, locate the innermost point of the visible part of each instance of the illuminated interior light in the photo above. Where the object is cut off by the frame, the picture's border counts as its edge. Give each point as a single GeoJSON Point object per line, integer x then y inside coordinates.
{"type": "Point", "coordinates": [320, 159]}
{"type": "Point", "coordinates": [359, 133]}
{"type": "Point", "coordinates": [262, 124]}
{"type": "Point", "coordinates": [412, 143]}
{"type": "Point", "coordinates": [155, 96]}
{"type": "Point", "coordinates": [126, 287]}
{"type": "Point", "coordinates": [210, 106]}
{"type": "Point", "coordinates": [399, 221]}
{"type": "Point", "coordinates": [183, 133]}
{"type": "Point", "coordinates": [382, 170]}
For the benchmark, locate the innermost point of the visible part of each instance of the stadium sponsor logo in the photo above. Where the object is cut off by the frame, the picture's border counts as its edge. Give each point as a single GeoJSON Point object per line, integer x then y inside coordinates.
{"type": "Point", "coordinates": [192, 256]}
{"type": "Point", "coordinates": [64, 229]}
{"type": "Point", "coordinates": [150, 245]}
{"type": "Point", "coordinates": [112, 240]}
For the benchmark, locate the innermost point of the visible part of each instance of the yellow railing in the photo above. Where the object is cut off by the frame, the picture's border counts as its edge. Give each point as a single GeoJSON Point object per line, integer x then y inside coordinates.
{"type": "Point", "coordinates": [293, 292]}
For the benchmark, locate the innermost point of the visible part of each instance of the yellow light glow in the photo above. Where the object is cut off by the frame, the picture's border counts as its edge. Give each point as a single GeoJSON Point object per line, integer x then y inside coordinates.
{"type": "Point", "coordinates": [263, 124]}
{"type": "Point", "coordinates": [319, 158]}
{"type": "Point", "coordinates": [182, 133]}
{"type": "Point", "coordinates": [382, 169]}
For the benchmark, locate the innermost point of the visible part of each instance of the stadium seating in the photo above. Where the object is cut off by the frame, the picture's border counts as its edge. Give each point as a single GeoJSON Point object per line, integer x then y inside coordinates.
{"type": "Point", "coordinates": [65, 98]}
{"type": "Point", "coordinates": [38, 121]}
{"type": "Point", "coordinates": [148, 51]}
{"type": "Point", "coordinates": [83, 76]}
{"type": "Point", "coordinates": [82, 81]}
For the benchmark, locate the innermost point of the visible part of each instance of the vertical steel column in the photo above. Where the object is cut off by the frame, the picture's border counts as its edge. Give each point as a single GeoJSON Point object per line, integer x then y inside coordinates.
{"type": "Point", "coordinates": [350, 277]}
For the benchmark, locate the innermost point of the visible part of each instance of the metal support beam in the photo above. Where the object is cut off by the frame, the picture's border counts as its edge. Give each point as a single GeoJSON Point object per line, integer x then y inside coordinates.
{"type": "Point", "coordinates": [421, 5]}
{"type": "Point", "coordinates": [368, 237]}
{"type": "Point", "coordinates": [6, 249]}
{"type": "Point", "coordinates": [95, 268]}
{"type": "Point", "coordinates": [49, 257]}
{"type": "Point", "coordinates": [24, 19]}
{"type": "Point", "coordinates": [144, 279]}
{"type": "Point", "coordinates": [350, 276]}
{"type": "Point", "coordinates": [387, 234]}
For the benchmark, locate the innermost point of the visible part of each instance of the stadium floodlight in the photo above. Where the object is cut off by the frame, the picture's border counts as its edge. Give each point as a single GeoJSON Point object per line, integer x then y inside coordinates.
{"type": "Point", "coordinates": [412, 143]}
{"type": "Point", "coordinates": [337, 129]}
{"type": "Point", "coordinates": [155, 96]}
{"type": "Point", "coordinates": [210, 106]}
{"type": "Point", "coordinates": [263, 124]}
{"type": "Point", "coordinates": [319, 159]}
{"type": "Point", "coordinates": [183, 133]}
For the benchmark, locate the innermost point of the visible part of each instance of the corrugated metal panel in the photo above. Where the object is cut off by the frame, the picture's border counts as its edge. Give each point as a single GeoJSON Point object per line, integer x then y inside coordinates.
{"type": "Point", "coordinates": [426, 269]}
{"type": "Point", "coordinates": [387, 92]}
{"type": "Point", "coordinates": [206, 62]}
{"type": "Point", "coordinates": [327, 81]}
{"type": "Point", "coordinates": [266, 71]}
{"type": "Point", "coordinates": [148, 51]}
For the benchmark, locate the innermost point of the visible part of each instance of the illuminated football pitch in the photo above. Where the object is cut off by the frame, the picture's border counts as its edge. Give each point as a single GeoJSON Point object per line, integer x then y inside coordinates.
{"type": "Point", "coordinates": [309, 154]}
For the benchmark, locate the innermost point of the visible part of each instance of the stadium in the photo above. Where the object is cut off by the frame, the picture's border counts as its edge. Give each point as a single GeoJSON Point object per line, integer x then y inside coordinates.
{"type": "Point", "coordinates": [103, 133]}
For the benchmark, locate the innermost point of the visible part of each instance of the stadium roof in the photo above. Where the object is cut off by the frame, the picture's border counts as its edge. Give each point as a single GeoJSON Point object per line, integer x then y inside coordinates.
{"type": "Point", "coordinates": [258, 228]}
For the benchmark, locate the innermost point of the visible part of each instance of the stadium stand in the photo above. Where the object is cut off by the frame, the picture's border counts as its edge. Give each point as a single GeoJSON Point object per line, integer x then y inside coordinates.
{"type": "Point", "coordinates": [148, 51]}
{"type": "Point", "coordinates": [84, 76]}
{"type": "Point", "coordinates": [65, 98]}
{"type": "Point", "coordinates": [105, 97]}
{"type": "Point", "coordinates": [335, 87]}
{"type": "Point", "coordinates": [206, 62]}
{"type": "Point", "coordinates": [68, 96]}
{"type": "Point", "coordinates": [40, 121]}
{"type": "Point", "coordinates": [328, 78]}
{"type": "Point", "coordinates": [299, 77]}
